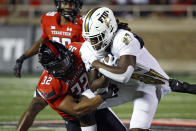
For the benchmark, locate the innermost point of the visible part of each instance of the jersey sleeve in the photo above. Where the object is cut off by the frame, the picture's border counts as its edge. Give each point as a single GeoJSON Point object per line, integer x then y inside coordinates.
{"type": "Point", "coordinates": [85, 53]}
{"type": "Point", "coordinates": [61, 90]}
{"type": "Point", "coordinates": [50, 88]}
{"type": "Point", "coordinates": [81, 38]}
{"type": "Point", "coordinates": [79, 21]}
{"type": "Point", "coordinates": [48, 19]}
{"type": "Point", "coordinates": [126, 44]}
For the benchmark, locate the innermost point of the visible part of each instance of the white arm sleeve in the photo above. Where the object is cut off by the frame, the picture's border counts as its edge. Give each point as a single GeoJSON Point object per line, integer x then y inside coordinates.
{"type": "Point", "coordinates": [87, 56]}
{"type": "Point", "coordinates": [88, 93]}
{"type": "Point", "coordinates": [123, 78]}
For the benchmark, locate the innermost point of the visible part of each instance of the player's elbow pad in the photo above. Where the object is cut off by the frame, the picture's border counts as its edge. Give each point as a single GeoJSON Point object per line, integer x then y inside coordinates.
{"type": "Point", "coordinates": [123, 78]}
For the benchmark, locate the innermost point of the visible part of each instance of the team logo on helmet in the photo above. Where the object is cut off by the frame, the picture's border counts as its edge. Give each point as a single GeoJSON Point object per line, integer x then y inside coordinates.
{"type": "Point", "coordinates": [103, 16]}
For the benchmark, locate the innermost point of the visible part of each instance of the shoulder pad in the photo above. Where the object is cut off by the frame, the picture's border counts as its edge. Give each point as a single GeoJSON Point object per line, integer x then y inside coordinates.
{"type": "Point", "coordinates": [79, 19]}
{"type": "Point", "coordinates": [51, 13]}
{"type": "Point", "coordinates": [50, 17]}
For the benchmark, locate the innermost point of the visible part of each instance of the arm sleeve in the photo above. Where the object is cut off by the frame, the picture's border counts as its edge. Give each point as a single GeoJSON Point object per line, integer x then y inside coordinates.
{"type": "Point", "coordinates": [87, 56]}
{"type": "Point", "coordinates": [123, 78]}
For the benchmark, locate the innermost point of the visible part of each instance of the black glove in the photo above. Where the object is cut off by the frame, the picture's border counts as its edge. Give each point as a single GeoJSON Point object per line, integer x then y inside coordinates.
{"type": "Point", "coordinates": [112, 92]}
{"type": "Point", "coordinates": [178, 86]}
{"type": "Point", "coordinates": [175, 84]}
{"type": "Point", "coordinates": [18, 66]}
{"type": "Point", "coordinates": [184, 87]}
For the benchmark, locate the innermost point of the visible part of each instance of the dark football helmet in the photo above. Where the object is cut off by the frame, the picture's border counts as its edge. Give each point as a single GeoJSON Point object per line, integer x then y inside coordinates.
{"type": "Point", "coordinates": [56, 59]}
{"type": "Point", "coordinates": [71, 12]}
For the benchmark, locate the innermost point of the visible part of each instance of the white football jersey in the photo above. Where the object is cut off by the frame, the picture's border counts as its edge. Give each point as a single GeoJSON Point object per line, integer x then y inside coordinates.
{"type": "Point", "coordinates": [147, 72]}
{"type": "Point", "coordinates": [147, 69]}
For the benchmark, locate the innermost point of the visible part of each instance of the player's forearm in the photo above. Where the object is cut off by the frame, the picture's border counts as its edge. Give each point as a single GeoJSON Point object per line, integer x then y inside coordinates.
{"type": "Point", "coordinates": [193, 85]}
{"type": "Point", "coordinates": [117, 73]}
{"type": "Point", "coordinates": [31, 112]}
{"type": "Point", "coordinates": [100, 82]}
{"type": "Point", "coordinates": [189, 88]}
{"type": "Point", "coordinates": [33, 49]}
{"type": "Point", "coordinates": [114, 69]}
{"type": "Point", "coordinates": [87, 105]}
{"type": "Point", "coordinates": [26, 121]}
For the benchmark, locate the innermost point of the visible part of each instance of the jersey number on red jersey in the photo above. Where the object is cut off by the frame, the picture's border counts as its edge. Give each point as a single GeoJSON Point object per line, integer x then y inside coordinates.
{"type": "Point", "coordinates": [46, 80]}
{"type": "Point", "coordinates": [64, 41]}
{"type": "Point", "coordinates": [80, 86]}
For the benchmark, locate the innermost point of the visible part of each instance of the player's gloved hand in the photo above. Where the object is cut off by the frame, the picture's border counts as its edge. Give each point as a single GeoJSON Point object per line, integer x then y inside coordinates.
{"type": "Point", "coordinates": [112, 92]}
{"type": "Point", "coordinates": [184, 87]}
{"type": "Point", "coordinates": [18, 66]}
{"type": "Point", "coordinates": [178, 86]}
{"type": "Point", "coordinates": [111, 61]}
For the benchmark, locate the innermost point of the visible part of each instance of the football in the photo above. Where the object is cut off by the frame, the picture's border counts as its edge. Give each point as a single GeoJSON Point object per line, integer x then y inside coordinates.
{"type": "Point", "coordinates": [106, 59]}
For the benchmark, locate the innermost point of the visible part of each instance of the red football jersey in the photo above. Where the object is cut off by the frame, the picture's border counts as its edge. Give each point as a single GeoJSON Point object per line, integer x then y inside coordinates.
{"type": "Point", "coordinates": [53, 90]}
{"type": "Point", "coordinates": [65, 34]}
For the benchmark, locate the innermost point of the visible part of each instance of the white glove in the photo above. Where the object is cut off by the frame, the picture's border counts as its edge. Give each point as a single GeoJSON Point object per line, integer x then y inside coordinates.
{"type": "Point", "coordinates": [112, 61]}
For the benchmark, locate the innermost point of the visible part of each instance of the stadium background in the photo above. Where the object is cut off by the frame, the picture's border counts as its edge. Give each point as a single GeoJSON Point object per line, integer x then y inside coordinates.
{"type": "Point", "coordinates": [168, 29]}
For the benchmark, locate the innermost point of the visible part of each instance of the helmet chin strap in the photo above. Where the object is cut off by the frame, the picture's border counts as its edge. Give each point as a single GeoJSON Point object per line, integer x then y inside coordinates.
{"type": "Point", "coordinates": [69, 17]}
{"type": "Point", "coordinates": [108, 48]}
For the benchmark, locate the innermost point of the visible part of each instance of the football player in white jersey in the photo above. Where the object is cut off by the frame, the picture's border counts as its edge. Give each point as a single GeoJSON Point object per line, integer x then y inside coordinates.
{"type": "Point", "coordinates": [120, 55]}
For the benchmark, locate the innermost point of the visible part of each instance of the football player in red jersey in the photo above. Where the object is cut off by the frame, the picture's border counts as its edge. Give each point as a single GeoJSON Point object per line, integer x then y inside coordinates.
{"type": "Point", "coordinates": [105, 119]}
{"type": "Point", "coordinates": [62, 83]}
{"type": "Point", "coordinates": [64, 26]}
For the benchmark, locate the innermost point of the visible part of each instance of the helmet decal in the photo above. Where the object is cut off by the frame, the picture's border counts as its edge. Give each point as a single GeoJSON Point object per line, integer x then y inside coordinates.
{"type": "Point", "coordinates": [107, 21]}
{"type": "Point", "coordinates": [103, 16]}
{"type": "Point", "coordinates": [88, 18]}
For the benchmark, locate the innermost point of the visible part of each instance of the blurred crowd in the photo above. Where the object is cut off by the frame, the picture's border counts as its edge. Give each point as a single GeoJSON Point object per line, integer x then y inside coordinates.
{"type": "Point", "coordinates": [5, 11]}
{"type": "Point", "coordinates": [145, 2]}
{"type": "Point", "coordinates": [174, 12]}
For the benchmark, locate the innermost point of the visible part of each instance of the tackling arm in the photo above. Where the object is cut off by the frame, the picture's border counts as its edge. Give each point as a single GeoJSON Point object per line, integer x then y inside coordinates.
{"type": "Point", "coordinates": [78, 109]}
{"type": "Point", "coordinates": [122, 72]}
{"type": "Point", "coordinates": [86, 105]}
{"type": "Point", "coordinates": [96, 81]}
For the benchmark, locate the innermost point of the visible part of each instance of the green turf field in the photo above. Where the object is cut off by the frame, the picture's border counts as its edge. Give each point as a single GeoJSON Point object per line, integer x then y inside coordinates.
{"type": "Point", "coordinates": [16, 94]}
